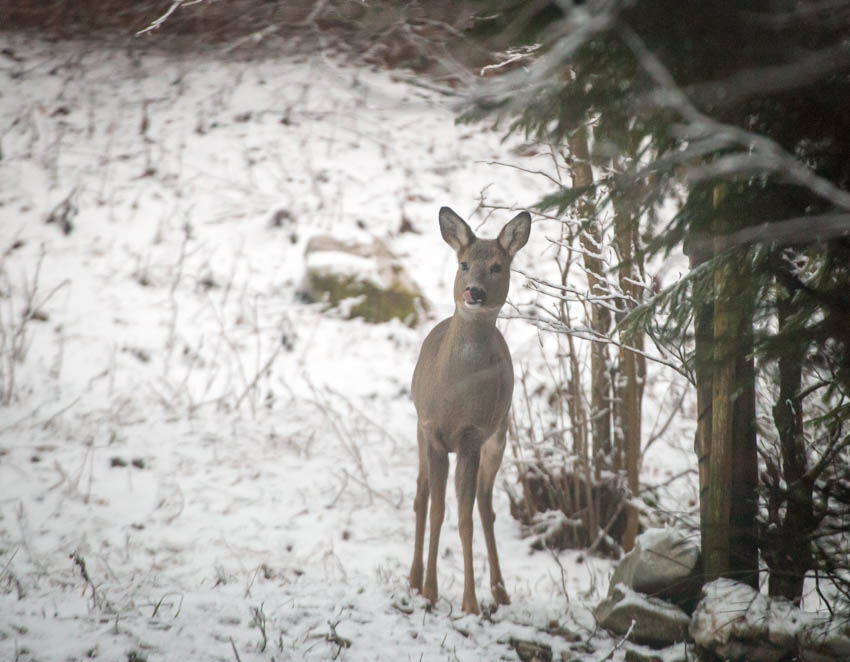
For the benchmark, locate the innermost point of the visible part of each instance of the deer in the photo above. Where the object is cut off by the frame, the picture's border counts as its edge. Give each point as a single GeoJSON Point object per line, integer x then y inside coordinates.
{"type": "Point", "coordinates": [462, 388]}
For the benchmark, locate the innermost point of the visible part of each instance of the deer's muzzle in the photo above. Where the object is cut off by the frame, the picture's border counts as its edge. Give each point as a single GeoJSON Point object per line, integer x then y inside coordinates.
{"type": "Point", "coordinates": [474, 296]}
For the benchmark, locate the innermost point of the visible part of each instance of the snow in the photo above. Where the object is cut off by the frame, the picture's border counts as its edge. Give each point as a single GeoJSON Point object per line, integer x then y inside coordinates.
{"type": "Point", "coordinates": [734, 620]}
{"type": "Point", "coordinates": [234, 468]}
{"type": "Point", "coordinates": [731, 610]}
{"type": "Point", "coordinates": [345, 264]}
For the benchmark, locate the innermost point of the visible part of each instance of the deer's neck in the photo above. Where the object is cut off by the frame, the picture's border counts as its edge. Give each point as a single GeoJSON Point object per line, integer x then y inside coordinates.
{"type": "Point", "coordinates": [468, 338]}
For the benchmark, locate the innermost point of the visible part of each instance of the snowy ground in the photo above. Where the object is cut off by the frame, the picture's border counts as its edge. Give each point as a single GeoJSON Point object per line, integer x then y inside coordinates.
{"type": "Point", "coordinates": [195, 465]}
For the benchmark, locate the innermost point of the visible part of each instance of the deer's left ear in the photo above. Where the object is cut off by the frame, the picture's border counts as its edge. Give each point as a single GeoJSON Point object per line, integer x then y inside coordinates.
{"type": "Point", "coordinates": [515, 234]}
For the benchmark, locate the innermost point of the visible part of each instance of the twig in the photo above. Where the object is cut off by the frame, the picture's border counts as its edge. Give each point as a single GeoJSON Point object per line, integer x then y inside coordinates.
{"type": "Point", "coordinates": [619, 644]}
{"type": "Point", "coordinates": [256, 37]}
{"type": "Point", "coordinates": [47, 421]}
{"type": "Point", "coordinates": [80, 562]}
{"type": "Point", "coordinates": [235, 652]}
{"type": "Point", "coordinates": [260, 621]}
{"type": "Point", "coordinates": [333, 638]}
{"type": "Point", "coordinates": [9, 562]}
{"type": "Point", "coordinates": [162, 19]}
{"type": "Point", "coordinates": [513, 56]}
{"type": "Point", "coordinates": [557, 560]}
{"type": "Point", "coordinates": [585, 333]}
{"type": "Point", "coordinates": [604, 532]}
{"type": "Point", "coordinates": [262, 371]}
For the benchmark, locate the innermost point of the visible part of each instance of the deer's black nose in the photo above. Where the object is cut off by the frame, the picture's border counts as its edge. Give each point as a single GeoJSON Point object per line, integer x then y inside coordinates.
{"type": "Point", "coordinates": [478, 295]}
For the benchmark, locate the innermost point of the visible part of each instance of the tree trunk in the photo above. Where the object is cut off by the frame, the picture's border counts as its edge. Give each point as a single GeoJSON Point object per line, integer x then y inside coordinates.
{"type": "Point", "coordinates": [791, 557]}
{"type": "Point", "coordinates": [627, 434]}
{"type": "Point", "coordinates": [744, 548]}
{"type": "Point", "coordinates": [729, 528]}
{"type": "Point", "coordinates": [718, 506]}
{"type": "Point", "coordinates": [576, 409]}
{"type": "Point", "coordinates": [703, 369]}
{"type": "Point", "coordinates": [600, 316]}
{"type": "Point", "coordinates": [698, 253]}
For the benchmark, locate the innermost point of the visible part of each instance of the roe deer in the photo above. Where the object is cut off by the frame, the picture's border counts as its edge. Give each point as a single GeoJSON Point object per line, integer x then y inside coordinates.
{"type": "Point", "coordinates": [462, 387]}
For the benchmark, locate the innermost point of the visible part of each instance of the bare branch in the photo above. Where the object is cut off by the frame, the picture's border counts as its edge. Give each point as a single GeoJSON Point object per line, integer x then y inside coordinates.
{"type": "Point", "coordinates": [175, 5]}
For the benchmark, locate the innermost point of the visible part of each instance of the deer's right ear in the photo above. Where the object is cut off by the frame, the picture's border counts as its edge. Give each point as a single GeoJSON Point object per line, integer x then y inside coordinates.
{"type": "Point", "coordinates": [454, 229]}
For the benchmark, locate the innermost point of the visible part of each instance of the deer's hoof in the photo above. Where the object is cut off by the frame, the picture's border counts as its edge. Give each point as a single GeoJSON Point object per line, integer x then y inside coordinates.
{"type": "Point", "coordinates": [470, 606]}
{"type": "Point", "coordinates": [430, 594]}
{"type": "Point", "coordinates": [416, 579]}
{"type": "Point", "coordinates": [500, 595]}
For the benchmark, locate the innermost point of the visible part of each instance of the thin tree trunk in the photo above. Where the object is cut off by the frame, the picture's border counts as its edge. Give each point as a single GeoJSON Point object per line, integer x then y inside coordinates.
{"type": "Point", "coordinates": [744, 554]}
{"type": "Point", "coordinates": [600, 322]}
{"type": "Point", "coordinates": [580, 488]}
{"type": "Point", "coordinates": [699, 250]}
{"type": "Point", "coordinates": [792, 557]}
{"type": "Point", "coordinates": [630, 383]}
{"type": "Point", "coordinates": [703, 369]}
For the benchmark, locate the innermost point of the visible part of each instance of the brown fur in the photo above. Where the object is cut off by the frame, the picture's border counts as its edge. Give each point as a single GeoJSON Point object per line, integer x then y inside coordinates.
{"type": "Point", "coordinates": [462, 387]}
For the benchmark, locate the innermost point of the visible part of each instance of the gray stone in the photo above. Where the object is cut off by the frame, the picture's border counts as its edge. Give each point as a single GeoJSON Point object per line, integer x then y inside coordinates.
{"type": "Point", "coordinates": [637, 656]}
{"type": "Point", "coordinates": [667, 556]}
{"type": "Point", "coordinates": [664, 563]}
{"type": "Point", "coordinates": [656, 622]}
{"type": "Point", "coordinates": [531, 651]}
{"type": "Point", "coordinates": [734, 621]}
{"type": "Point", "coordinates": [824, 640]}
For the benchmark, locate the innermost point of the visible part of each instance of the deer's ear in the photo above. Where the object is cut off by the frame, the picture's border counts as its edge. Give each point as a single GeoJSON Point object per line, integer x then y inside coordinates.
{"type": "Point", "coordinates": [514, 235]}
{"type": "Point", "coordinates": [454, 229]}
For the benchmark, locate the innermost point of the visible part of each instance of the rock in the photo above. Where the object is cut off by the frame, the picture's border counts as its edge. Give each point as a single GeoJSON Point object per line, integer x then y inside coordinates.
{"type": "Point", "coordinates": [664, 563]}
{"type": "Point", "coordinates": [361, 280]}
{"type": "Point", "coordinates": [824, 640]}
{"type": "Point", "coordinates": [735, 621]}
{"type": "Point", "coordinates": [656, 623]}
{"type": "Point", "coordinates": [531, 651]}
{"type": "Point", "coordinates": [637, 656]}
{"type": "Point", "coordinates": [676, 653]}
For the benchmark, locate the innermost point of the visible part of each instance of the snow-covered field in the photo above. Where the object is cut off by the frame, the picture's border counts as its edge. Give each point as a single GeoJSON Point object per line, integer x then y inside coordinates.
{"type": "Point", "coordinates": [195, 464]}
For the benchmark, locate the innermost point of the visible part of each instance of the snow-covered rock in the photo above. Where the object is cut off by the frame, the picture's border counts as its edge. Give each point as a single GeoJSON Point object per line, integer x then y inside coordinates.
{"type": "Point", "coordinates": [644, 619]}
{"type": "Point", "coordinates": [824, 640]}
{"type": "Point", "coordinates": [363, 280]}
{"type": "Point", "coordinates": [735, 621]}
{"type": "Point", "coordinates": [664, 563]}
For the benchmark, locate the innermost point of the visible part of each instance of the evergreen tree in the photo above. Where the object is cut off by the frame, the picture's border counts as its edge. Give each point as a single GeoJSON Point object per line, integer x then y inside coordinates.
{"type": "Point", "coordinates": [743, 107]}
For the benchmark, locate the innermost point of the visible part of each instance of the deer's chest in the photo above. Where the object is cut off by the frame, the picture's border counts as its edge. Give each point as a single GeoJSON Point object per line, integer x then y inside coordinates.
{"type": "Point", "coordinates": [466, 400]}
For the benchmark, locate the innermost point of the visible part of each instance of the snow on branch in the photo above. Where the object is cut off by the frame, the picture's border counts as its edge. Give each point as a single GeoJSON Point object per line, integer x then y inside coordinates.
{"type": "Point", "coordinates": [175, 5]}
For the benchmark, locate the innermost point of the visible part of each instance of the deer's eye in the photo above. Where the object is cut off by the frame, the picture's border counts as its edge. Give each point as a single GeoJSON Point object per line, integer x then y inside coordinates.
{"type": "Point", "coordinates": [464, 266]}
{"type": "Point", "coordinates": [496, 269]}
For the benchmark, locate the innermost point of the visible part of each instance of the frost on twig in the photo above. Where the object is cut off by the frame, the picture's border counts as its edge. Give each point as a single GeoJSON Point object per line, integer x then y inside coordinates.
{"type": "Point", "coordinates": [155, 25]}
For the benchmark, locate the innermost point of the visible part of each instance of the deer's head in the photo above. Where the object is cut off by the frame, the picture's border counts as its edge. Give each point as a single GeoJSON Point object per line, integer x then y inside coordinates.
{"type": "Point", "coordinates": [483, 270]}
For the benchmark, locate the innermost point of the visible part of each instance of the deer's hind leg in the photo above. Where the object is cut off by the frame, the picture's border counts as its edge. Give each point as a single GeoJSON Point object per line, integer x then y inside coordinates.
{"type": "Point", "coordinates": [491, 459]}
{"type": "Point", "coordinates": [420, 507]}
{"type": "Point", "coordinates": [438, 472]}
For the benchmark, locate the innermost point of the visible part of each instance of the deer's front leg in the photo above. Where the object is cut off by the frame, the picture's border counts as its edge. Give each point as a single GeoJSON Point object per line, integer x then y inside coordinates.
{"type": "Point", "coordinates": [438, 472]}
{"type": "Point", "coordinates": [466, 478]}
{"type": "Point", "coordinates": [420, 507]}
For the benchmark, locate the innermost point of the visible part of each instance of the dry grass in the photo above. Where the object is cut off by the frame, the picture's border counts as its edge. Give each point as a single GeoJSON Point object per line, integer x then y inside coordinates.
{"type": "Point", "coordinates": [418, 35]}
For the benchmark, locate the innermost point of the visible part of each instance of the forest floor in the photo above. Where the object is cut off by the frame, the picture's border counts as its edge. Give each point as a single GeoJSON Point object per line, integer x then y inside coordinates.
{"type": "Point", "coordinates": [195, 463]}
